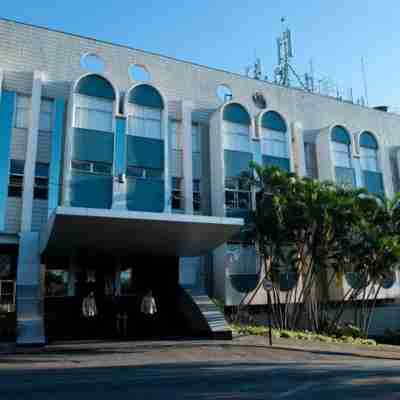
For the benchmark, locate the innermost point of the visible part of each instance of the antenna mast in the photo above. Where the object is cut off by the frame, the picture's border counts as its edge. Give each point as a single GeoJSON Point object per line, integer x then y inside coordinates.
{"type": "Point", "coordinates": [284, 70]}
{"type": "Point", "coordinates": [364, 81]}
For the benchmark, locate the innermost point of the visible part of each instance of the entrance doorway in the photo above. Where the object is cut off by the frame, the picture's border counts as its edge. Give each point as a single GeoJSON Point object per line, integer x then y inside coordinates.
{"type": "Point", "coordinates": [118, 294]}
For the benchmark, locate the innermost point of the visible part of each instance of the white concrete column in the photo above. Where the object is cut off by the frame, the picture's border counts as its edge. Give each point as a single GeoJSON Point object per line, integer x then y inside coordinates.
{"type": "Point", "coordinates": [296, 148]}
{"type": "Point", "coordinates": [1, 81]}
{"type": "Point", "coordinates": [167, 175]}
{"type": "Point", "coordinates": [187, 150]}
{"type": "Point", "coordinates": [31, 152]}
{"type": "Point", "coordinates": [67, 154]}
{"type": "Point", "coordinates": [356, 164]}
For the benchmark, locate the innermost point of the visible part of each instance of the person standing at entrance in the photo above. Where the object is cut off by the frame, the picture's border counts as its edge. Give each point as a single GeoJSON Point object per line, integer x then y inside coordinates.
{"type": "Point", "coordinates": [89, 311]}
{"type": "Point", "coordinates": [149, 308]}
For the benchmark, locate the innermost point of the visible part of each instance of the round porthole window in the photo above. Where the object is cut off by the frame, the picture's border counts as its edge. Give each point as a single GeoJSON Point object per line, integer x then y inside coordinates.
{"type": "Point", "coordinates": [93, 63]}
{"type": "Point", "coordinates": [224, 93]}
{"type": "Point", "coordinates": [139, 73]}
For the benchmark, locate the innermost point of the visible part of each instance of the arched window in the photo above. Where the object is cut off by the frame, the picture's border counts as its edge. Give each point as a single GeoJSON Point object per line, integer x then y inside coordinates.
{"type": "Point", "coordinates": [341, 146]}
{"type": "Point", "coordinates": [274, 143]}
{"type": "Point", "coordinates": [372, 177]}
{"type": "Point", "coordinates": [94, 99]}
{"type": "Point", "coordinates": [145, 106]}
{"type": "Point", "coordinates": [236, 127]}
{"type": "Point", "coordinates": [237, 157]}
{"type": "Point", "coordinates": [369, 152]}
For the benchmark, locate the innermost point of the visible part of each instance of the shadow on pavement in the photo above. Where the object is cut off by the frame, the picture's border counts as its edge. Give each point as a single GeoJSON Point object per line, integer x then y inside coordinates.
{"type": "Point", "coordinates": [207, 380]}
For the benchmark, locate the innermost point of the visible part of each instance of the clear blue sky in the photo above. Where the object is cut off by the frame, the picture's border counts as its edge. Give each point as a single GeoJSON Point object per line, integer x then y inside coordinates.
{"type": "Point", "coordinates": [225, 34]}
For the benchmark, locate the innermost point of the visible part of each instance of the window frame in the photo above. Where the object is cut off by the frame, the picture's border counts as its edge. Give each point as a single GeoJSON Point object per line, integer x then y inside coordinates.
{"type": "Point", "coordinates": [41, 190]}
{"type": "Point", "coordinates": [196, 195]}
{"type": "Point", "coordinates": [237, 191]}
{"type": "Point", "coordinates": [92, 169]}
{"type": "Point", "coordinates": [25, 108]}
{"type": "Point", "coordinates": [133, 115]}
{"type": "Point", "coordinates": [268, 140]}
{"type": "Point", "coordinates": [16, 188]}
{"type": "Point", "coordinates": [88, 109]}
{"type": "Point", "coordinates": [177, 193]}
{"type": "Point", "coordinates": [144, 173]}
{"type": "Point", "coordinates": [47, 113]}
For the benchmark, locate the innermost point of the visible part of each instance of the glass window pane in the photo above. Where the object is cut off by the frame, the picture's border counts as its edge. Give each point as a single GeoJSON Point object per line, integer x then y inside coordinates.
{"type": "Point", "coordinates": [22, 118]}
{"type": "Point", "coordinates": [102, 168]}
{"type": "Point", "coordinates": [231, 183]}
{"type": "Point", "coordinates": [153, 129]}
{"type": "Point", "coordinates": [45, 121]}
{"type": "Point", "coordinates": [177, 183]}
{"type": "Point", "coordinates": [17, 167]}
{"type": "Point", "coordinates": [153, 173]}
{"type": "Point", "coordinates": [196, 185]}
{"type": "Point", "coordinates": [136, 172]}
{"type": "Point", "coordinates": [196, 145]}
{"type": "Point", "coordinates": [23, 101]}
{"type": "Point", "coordinates": [196, 201]}
{"type": "Point", "coordinates": [56, 283]}
{"type": "Point", "coordinates": [152, 113]}
{"type": "Point", "coordinates": [244, 200]}
{"type": "Point", "coordinates": [229, 199]}
{"type": "Point", "coordinates": [42, 170]}
{"type": "Point", "coordinates": [81, 165]}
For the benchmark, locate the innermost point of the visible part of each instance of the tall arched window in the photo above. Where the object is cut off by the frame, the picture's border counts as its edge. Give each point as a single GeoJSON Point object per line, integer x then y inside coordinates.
{"type": "Point", "coordinates": [341, 146]}
{"type": "Point", "coordinates": [236, 127]}
{"type": "Point", "coordinates": [93, 143]}
{"type": "Point", "coordinates": [372, 177]}
{"type": "Point", "coordinates": [274, 142]}
{"type": "Point", "coordinates": [94, 99]}
{"type": "Point", "coordinates": [237, 157]}
{"type": "Point", "coordinates": [145, 106]}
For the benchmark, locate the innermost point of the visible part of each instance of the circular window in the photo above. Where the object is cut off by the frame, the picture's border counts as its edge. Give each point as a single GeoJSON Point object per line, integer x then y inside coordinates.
{"type": "Point", "coordinates": [139, 73]}
{"type": "Point", "coordinates": [224, 93]}
{"type": "Point", "coordinates": [93, 62]}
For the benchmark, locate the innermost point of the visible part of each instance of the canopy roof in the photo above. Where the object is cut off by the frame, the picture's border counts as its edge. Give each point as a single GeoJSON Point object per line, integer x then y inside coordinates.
{"type": "Point", "coordinates": [128, 232]}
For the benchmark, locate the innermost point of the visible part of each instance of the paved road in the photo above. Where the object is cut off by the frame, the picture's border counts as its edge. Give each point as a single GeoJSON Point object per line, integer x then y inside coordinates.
{"type": "Point", "coordinates": [195, 371]}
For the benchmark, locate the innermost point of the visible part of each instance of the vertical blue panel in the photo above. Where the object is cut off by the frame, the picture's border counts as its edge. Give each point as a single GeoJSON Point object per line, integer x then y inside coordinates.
{"type": "Point", "coordinates": [56, 155]}
{"type": "Point", "coordinates": [145, 195]}
{"type": "Point", "coordinates": [91, 145]}
{"type": "Point", "coordinates": [145, 152]}
{"type": "Point", "coordinates": [91, 190]}
{"type": "Point", "coordinates": [374, 183]}
{"type": "Point", "coordinates": [120, 150]}
{"type": "Point", "coordinates": [7, 105]}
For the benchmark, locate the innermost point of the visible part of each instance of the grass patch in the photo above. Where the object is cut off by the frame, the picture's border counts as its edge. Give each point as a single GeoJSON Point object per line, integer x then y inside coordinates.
{"type": "Point", "coordinates": [256, 330]}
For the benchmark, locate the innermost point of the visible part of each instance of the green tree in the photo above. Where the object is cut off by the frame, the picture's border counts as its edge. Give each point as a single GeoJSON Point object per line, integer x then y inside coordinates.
{"type": "Point", "coordinates": [317, 232]}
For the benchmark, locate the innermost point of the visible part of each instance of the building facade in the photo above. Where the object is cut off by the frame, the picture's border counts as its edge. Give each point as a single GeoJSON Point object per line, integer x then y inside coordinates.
{"type": "Point", "coordinates": [120, 174]}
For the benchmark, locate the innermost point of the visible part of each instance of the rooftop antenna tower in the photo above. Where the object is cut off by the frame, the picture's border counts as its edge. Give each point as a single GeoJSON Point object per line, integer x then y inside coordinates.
{"type": "Point", "coordinates": [254, 71]}
{"type": "Point", "coordinates": [284, 70]}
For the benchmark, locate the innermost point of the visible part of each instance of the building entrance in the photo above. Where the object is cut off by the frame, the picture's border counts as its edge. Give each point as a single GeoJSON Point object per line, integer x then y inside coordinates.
{"type": "Point", "coordinates": [107, 302]}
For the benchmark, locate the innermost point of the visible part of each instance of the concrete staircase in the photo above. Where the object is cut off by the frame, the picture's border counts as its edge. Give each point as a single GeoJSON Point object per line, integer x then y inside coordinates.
{"type": "Point", "coordinates": [204, 316]}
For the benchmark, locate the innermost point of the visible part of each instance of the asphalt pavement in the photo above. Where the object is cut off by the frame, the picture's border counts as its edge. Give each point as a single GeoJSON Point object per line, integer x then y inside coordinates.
{"type": "Point", "coordinates": [241, 369]}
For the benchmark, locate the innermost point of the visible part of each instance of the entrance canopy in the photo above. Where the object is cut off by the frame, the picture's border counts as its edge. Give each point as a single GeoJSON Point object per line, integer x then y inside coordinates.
{"type": "Point", "coordinates": [127, 232]}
